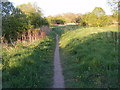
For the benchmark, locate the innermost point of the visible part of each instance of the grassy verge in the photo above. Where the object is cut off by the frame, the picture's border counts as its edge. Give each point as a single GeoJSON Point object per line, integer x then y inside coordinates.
{"type": "Point", "coordinates": [30, 65]}
{"type": "Point", "coordinates": [89, 57]}
{"type": "Point", "coordinates": [63, 29]}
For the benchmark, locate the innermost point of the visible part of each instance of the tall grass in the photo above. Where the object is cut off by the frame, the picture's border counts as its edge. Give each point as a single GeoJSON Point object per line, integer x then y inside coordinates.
{"type": "Point", "coordinates": [89, 57]}
{"type": "Point", "coordinates": [30, 65]}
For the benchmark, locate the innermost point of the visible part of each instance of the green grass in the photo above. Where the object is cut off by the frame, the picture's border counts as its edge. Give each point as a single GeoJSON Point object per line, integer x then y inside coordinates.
{"type": "Point", "coordinates": [63, 29]}
{"type": "Point", "coordinates": [89, 57]}
{"type": "Point", "coordinates": [30, 65]}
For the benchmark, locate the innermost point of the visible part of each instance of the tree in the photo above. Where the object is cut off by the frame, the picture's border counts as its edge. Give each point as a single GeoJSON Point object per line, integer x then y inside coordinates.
{"type": "Point", "coordinates": [96, 18]}
{"type": "Point", "coordinates": [15, 21]}
{"type": "Point", "coordinates": [56, 20]}
{"type": "Point", "coordinates": [14, 25]}
{"type": "Point", "coordinates": [7, 8]}
{"type": "Point", "coordinates": [27, 8]}
{"type": "Point", "coordinates": [34, 14]}
{"type": "Point", "coordinates": [115, 6]}
{"type": "Point", "coordinates": [98, 11]}
{"type": "Point", "coordinates": [70, 17]}
{"type": "Point", "coordinates": [97, 21]}
{"type": "Point", "coordinates": [77, 19]}
{"type": "Point", "coordinates": [45, 21]}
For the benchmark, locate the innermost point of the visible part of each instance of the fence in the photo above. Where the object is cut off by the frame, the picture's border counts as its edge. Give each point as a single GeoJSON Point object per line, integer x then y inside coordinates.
{"type": "Point", "coordinates": [116, 41]}
{"type": "Point", "coordinates": [115, 36]}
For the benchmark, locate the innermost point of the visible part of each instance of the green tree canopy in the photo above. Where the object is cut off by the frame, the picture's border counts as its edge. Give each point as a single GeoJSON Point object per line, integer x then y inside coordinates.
{"type": "Point", "coordinates": [71, 17]}
{"type": "Point", "coordinates": [98, 11]}
{"type": "Point", "coordinates": [93, 20]}
{"type": "Point", "coordinates": [17, 20]}
{"type": "Point", "coordinates": [7, 8]}
{"type": "Point", "coordinates": [115, 6]}
{"type": "Point", "coordinates": [14, 21]}
{"type": "Point", "coordinates": [34, 14]}
{"type": "Point", "coordinates": [56, 20]}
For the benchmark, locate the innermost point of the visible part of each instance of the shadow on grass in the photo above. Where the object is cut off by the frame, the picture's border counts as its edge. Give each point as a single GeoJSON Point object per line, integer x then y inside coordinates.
{"type": "Point", "coordinates": [91, 62]}
{"type": "Point", "coordinates": [32, 71]}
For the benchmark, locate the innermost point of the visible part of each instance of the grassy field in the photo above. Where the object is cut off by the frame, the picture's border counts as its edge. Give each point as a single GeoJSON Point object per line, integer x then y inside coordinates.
{"type": "Point", "coordinates": [30, 65]}
{"type": "Point", "coordinates": [89, 57]}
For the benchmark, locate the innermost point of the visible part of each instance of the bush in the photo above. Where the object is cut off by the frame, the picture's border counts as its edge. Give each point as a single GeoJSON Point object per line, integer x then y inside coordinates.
{"type": "Point", "coordinates": [83, 23]}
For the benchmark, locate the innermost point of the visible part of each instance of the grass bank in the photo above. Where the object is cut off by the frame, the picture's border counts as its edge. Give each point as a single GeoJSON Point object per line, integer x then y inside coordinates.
{"type": "Point", "coordinates": [30, 65]}
{"type": "Point", "coordinates": [90, 57]}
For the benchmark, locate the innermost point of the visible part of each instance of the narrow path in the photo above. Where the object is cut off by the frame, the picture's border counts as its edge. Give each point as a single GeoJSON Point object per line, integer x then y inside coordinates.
{"type": "Point", "coordinates": [58, 76]}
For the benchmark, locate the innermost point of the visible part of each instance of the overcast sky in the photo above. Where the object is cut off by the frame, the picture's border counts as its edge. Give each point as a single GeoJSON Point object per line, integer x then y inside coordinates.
{"type": "Point", "coordinates": [54, 7]}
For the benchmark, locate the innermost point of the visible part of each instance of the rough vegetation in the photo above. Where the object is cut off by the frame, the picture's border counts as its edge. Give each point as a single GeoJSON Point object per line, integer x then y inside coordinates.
{"type": "Point", "coordinates": [89, 57]}
{"type": "Point", "coordinates": [16, 21]}
{"type": "Point", "coordinates": [88, 47]}
{"type": "Point", "coordinates": [30, 65]}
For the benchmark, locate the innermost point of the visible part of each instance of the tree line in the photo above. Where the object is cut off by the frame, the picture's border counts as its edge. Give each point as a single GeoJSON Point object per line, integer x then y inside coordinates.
{"type": "Point", "coordinates": [20, 19]}
{"type": "Point", "coordinates": [96, 18]}
{"type": "Point", "coordinates": [23, 18]}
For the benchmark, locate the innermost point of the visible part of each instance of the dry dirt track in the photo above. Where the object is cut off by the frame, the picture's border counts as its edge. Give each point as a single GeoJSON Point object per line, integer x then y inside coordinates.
{"type": "Point", "coordinates": [58, 75]}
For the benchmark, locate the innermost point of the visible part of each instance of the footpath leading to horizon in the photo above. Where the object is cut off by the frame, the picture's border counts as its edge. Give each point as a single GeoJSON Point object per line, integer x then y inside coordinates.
{"type": "Point", "coordinates": [58, 75]}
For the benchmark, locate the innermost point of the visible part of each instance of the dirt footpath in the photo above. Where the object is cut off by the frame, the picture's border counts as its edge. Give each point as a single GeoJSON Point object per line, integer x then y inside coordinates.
{"type": "Point", "coordinates": [58, 75]}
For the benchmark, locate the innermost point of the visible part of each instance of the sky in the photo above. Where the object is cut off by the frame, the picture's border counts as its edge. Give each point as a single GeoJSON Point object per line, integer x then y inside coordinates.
{"type": "Point", "coordinates": [55, 7]}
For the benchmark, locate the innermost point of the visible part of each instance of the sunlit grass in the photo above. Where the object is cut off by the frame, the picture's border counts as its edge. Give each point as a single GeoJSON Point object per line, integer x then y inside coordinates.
{"type": "Point", "coordinates": [89, 57]}
{"type": "Point", "coordinates": [83, 32]}
{"type": "Point", "coordinates": [30, 65]}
